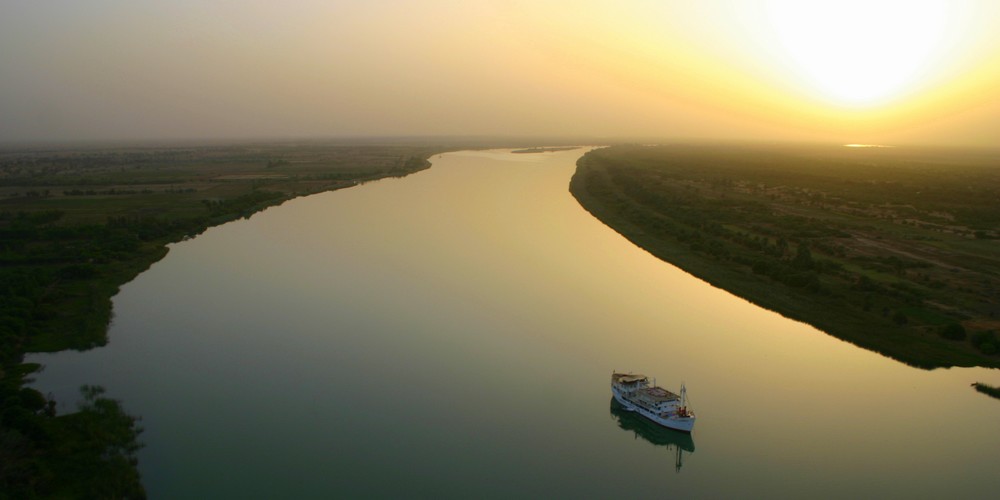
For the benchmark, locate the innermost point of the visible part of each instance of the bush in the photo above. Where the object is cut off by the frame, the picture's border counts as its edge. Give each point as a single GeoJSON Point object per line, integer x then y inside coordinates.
{"type": "Point", "coordinates": [78, 272]}
{"type": "Point", "coordinates": [987, 389]}
{"type": "Point", "coordinates": [985, 341]}
{"type": "Point", "coordinates": [953, 331]}
{"type": "Point", "coordinates": [900, 319]}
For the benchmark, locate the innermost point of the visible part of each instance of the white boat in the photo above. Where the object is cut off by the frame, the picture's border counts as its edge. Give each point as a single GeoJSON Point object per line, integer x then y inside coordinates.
{"type": "Point", "coordinates": [657, 404]}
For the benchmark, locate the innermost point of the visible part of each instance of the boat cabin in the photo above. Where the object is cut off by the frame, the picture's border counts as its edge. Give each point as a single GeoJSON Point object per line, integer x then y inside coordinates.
{"type": "Point", "coordinates": [628, 382]}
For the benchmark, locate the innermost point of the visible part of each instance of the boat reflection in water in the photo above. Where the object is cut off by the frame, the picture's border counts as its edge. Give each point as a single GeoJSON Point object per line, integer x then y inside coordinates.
{"type": "Point", "coordinates": [678, 441]}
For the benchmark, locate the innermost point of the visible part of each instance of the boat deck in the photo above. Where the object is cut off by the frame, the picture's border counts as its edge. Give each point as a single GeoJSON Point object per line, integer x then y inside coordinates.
{"type": "Point", "coordinates": [658, 394]}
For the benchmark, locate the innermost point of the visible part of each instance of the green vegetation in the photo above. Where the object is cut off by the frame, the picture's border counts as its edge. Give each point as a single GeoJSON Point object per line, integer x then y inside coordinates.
{"type": "Point", "coordinates": [894, 250]}
{"type": "Point", "coordinates": [989, 390]}
{"type": "Point", "coordinates": [87, 454]}
{"type": "Point", "coordinates": [77, 224]}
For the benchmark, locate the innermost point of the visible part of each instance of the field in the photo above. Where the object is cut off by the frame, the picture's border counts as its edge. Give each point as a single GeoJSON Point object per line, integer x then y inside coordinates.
{"type": "Point", "coordinates": [895, 250]}
{"type": "Point", "coordinates": [90, 185]}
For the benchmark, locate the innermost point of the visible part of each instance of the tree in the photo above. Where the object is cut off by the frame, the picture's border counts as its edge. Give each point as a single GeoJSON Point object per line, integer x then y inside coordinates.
{"type": "Point", "coordinates": [803, 257]}
{"type": "Point", "coordinates": [953, 331]}
{"type": "Point", "coordinates": [900, 319]}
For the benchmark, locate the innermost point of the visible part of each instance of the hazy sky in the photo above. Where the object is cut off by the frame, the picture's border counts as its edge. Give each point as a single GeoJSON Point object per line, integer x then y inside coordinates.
{"type": "Point", "coordinates": [851, 71]}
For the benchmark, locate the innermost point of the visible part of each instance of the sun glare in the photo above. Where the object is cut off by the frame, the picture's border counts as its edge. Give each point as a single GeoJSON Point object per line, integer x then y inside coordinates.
{"type": "Point", "coordinates": [861, 53]}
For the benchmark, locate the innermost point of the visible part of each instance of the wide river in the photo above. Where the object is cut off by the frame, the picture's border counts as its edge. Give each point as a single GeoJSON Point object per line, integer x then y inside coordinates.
{"type": "Point", "coordinates": [453, 334]}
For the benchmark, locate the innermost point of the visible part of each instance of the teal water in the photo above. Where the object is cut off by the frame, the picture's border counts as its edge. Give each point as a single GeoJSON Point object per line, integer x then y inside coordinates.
{"type": "Point", "coordinates": [453, 333]}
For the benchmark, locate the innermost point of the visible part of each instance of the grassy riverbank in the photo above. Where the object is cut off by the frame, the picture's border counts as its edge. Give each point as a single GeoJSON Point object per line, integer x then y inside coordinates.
{"type": "Point", "coordinates": [987, 389]}
{"type": "Point", "coordinates": [892, 250]}
{"type": "Point", "coordinates": [76, 224]}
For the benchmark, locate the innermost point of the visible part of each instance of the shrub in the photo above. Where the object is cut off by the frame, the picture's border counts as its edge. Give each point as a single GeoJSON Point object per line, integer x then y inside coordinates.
{"type": "Point", "coordinates": [899, 318]}
{"type": "Point", "coordinates": [985, 341]}
{"type": "Point", "coordinates": [987, 389]}
{"type": "Point", "coordinates": [953, 331]}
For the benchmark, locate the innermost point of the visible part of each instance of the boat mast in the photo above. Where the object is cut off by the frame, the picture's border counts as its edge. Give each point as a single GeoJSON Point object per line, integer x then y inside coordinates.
{"type": "Point", "coordinates": [683, 395]}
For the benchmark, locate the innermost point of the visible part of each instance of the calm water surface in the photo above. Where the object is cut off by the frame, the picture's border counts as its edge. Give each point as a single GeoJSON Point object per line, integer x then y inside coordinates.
{"type": "Point", "coordinates": [453, 334]}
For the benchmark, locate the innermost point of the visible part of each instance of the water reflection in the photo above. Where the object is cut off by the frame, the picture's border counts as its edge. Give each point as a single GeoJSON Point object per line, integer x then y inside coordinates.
{"type": "Point", "coordinates": [652, 433]}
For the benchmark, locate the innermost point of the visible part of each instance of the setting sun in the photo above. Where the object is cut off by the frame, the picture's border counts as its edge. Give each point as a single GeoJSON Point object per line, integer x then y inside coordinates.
{"type": "Point", "coordinates": [865, 71]}
{"type": "Point", "coordinates": [862, 53]}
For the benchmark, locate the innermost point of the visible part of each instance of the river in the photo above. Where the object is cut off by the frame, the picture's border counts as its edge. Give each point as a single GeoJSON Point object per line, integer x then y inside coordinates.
{"type": "Point", "coordinates": [452, 334]}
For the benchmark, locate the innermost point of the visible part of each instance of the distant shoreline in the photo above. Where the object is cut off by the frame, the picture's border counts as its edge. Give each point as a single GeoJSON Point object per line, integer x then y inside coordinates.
{"type": "Point", "coordinates": [796, 241]}
{"type": "Point", "coordinates": [545, 150]}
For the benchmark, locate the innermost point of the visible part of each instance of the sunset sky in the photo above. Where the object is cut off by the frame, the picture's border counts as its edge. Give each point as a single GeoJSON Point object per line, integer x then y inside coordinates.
{"type": "Point", "coordinates": [845, 71]}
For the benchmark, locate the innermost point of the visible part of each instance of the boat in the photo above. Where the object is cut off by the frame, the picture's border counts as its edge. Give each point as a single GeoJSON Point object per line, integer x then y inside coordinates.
{"type": "Point", "coordinates": [657, 404]}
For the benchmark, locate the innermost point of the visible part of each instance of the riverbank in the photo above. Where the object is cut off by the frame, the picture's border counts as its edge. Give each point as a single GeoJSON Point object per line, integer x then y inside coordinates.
{"type": "Point", "coordinates": [987, 389]}
{"type": "Point", "coordinates": [544, 150]}
{"type": "Point", "coordinates": [78, 224]}
{"type": "Point", "coordinates": [860, 246]}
